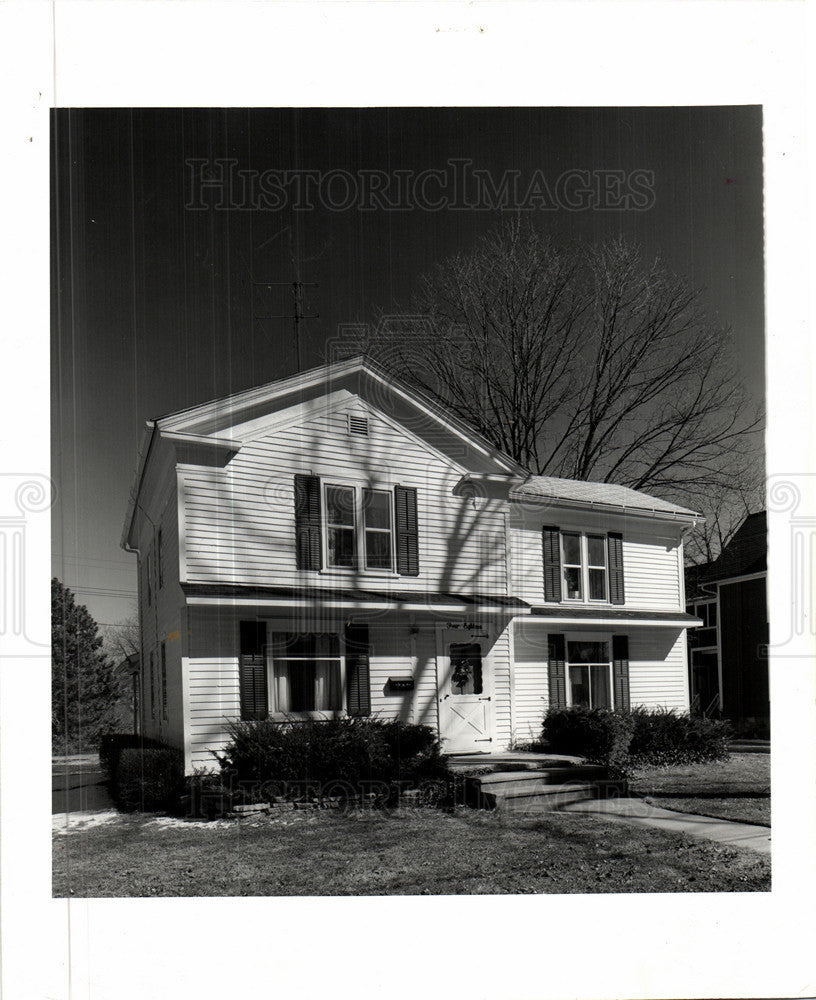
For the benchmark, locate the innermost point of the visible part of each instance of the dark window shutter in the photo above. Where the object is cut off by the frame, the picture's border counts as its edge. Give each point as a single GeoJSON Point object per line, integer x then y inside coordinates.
{"type": "Point", "coordinates": [405, 507]}
{"type": "Point", "coordinates": [254, 691]}
{"type": "Point", "coordinates": [557, 670]}
{"type": "Point", "coordinates": [551, 542]}
{"type": "Point", "coordinates": [307, 522]}
{"type": "Point", "coordinates": [358, 684]}
{"type": "Point", "coordinates": [614, 542]}
{"type": "Point", "coordinates": [620, 671]}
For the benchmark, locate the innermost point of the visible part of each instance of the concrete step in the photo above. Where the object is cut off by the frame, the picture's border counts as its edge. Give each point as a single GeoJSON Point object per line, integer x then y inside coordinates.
{"type": "Point", "coordinates": [516, 759]}
{"type": "Point", "coordinates": [548, 798]}
{"type": "Point", "coordinates": [543, 790]}
{"type": "Point", "coordinates": [530, 779]}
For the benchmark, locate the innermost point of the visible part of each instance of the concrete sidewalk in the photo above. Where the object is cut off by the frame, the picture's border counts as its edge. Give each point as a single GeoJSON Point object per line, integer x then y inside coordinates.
{"type": "Point", "coordinates": [77, 785]}
{"type": "Point", "coordinates": [755, 838]}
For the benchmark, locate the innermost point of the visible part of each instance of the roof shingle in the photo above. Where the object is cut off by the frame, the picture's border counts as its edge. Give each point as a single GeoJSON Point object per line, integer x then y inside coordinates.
{"type": "Point", "coordinates": [608, 494]}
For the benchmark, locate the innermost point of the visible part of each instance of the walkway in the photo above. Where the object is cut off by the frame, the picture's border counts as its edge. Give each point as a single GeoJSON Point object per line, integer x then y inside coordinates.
{"type": "Point", "coordinates": [77, 784]}
{"type": "Point", "coordinates": [755, 838]}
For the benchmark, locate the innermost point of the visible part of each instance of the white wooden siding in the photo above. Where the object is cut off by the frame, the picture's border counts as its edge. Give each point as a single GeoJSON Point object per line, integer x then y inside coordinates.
{"type": "Point", "coordinates": [532, 683]}
{"type": "Point", "coordinates": [213, 678]}
{"type": "Point", "coordinates": [657, 671]}
{"type": "Point", "coordinates": [652, 559]}
{"type": "Point", "coordinates": [161, 620]}
{"type": "Point", "coordinates": [239, 520]}
{"type": "Point", "coordinates": [502, 726]}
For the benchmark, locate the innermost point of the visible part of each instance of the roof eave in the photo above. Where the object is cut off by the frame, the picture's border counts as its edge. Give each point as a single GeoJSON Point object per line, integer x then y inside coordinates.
{"type": "Point", "coordinates": [681, 516]}
{"type": "Point", "coordinates": [145, 446]}
{"type": "Point", "coordinates": [176, 421]}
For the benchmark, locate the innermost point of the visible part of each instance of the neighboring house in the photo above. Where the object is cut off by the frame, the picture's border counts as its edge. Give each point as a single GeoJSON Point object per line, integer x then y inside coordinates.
{"type": "Point", "coordinates": [335, 542]}
{"type": "Point", "coordinates": [728, 658]}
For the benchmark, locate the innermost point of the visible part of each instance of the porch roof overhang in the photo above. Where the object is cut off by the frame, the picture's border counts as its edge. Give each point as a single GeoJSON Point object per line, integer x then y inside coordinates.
{"type": "Point", "coordinates": [611, 616]}
{"type": "Point", "coordinates": [327, 598]}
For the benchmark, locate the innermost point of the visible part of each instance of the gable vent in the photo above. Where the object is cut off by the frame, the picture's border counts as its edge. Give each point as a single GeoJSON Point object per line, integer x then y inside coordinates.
{"type": "Point", "coordinates": [358, 425]}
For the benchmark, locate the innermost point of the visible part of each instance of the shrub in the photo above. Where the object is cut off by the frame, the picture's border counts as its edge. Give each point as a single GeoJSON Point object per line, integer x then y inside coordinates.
{"type": "Point", "coordinates": [339, 755]}
{"type": "Point", "coordinates": [662, 737]}
{"type": "Point", "coordinates": [148, 780]}
{"type": "Point", "coordinates": [599, 735]}
{"type": "Point", "coordinates": [111, 746]}
{"type": "Point", "coordinates": [643, 736]}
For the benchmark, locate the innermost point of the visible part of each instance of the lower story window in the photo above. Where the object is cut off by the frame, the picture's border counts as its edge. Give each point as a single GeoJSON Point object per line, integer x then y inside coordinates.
{"type": "Point", "coordinates": [306, 673]}
{"type": "Point", "coordinates": [590, 673]}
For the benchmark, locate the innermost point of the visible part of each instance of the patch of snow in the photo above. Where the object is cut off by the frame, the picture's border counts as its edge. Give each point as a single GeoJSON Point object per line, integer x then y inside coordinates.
{"type": "Point", "coordinates": [74, 822]}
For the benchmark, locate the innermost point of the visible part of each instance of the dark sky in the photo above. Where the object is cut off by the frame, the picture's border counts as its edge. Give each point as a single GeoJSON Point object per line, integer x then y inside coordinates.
{"type": "Point", "coordinates": [154, 306]}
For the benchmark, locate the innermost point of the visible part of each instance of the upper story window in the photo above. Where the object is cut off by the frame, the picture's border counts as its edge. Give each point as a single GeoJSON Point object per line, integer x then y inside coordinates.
{"type": "Point", "coordinates": [149, 578]}
{"type": "Point", "coordinates": [584, 567]}
{"type": "Point", "coordinates": [159, 560]}
{"type": "Point", "coordinates": [359, 529]}
{"type": "Point", "coordinates": [341, 525]}
{"type": "Point", "coordinates": [345, 526]}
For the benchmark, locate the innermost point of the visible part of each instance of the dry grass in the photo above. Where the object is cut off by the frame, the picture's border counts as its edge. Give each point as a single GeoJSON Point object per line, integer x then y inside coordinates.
{"type": "Point", "coordinates": [409, 852]}
{"type": "Point", "coordinates": [737, 789]}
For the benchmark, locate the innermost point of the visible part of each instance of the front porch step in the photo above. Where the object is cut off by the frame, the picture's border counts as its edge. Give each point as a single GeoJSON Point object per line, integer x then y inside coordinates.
{"type": "Point", "coordinates": [510, 760]}
{"type": "Point", "coordinates": [542, 791]}
{"type": "Point", "coordinates": [548, 798]}
{"type": "Point", "coordinates": [524, 781]}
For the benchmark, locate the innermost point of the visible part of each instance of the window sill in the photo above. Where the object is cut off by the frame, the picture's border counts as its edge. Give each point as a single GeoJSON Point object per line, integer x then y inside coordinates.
{"type": "Point", "coordinates": [570, 603]}
{"type": "Point", "coordinates": [306, 716]}
{"type": "Point", "coordinates": [374, 574]}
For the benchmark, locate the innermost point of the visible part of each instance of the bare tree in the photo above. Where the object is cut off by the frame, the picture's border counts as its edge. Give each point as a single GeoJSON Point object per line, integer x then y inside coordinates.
{"type": "Point", "coordinates": [587, 363]}
{"type": "Point", "coordinates": [123, 639]}
{"type": "Point", "coordinates": [725, 510]}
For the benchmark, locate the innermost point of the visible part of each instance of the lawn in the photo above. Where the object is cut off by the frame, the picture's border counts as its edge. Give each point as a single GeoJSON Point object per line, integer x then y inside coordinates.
{"type": "Point", "coordinates": [422, 851]}
{"type": "Point", "coordinates": [737, 789]}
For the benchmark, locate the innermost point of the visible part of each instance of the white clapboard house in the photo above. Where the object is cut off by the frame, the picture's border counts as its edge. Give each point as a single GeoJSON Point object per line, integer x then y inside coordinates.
{"type": "Point", "coordinates": [335, 542]}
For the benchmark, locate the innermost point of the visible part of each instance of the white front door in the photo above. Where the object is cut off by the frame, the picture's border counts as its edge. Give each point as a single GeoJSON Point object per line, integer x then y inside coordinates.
{"type": "Point", "coordinates": [465, 687]}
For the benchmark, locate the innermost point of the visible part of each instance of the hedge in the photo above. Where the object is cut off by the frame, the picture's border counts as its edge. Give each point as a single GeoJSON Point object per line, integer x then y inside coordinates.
{"type": "Point", "coordinates": [664, 737]}
{"type": "Point", "coordinates": [347, 754]}
{"type": "Point", "coordinates": [148, 779]}
{"type": "Point", "coordinates": [601, 736]}
{"type": "Point", "coordinates": [643, 736]}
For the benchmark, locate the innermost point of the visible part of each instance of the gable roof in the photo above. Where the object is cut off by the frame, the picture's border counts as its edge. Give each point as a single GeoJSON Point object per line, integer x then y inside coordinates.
{"type": "Point", "coordinates": [211, 423]}
{"type": "Point", "coordinates": [219, 414]}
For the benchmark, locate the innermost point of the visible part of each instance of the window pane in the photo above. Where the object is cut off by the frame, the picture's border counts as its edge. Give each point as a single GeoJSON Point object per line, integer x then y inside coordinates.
{"type": "Point", "coordinates": [597, 584]}
{"type": "Point", "coordinates": [579, 685]}
{"type": "Point", "coordinates": [587, 652]}
{"type": "Point", "coordinates": [377, 509]}
{"type": "Point", "coordinates": [712, 615]}
{"type": "Point", "coordinates": [378, 550]}
{"type": "Point", "coordinates": [601, 693]}
{"type": "Point", "coordinates": [572, 549]}
{"type": "Point", "coordinates": [308, 685]}
{"type": "Point", "coordinates": [287, 645]}
{"type": "Point", "coordinates": [341, 547]}
{"type": "Point", "coordinates": [466, 668]}
{"type": "Point", "coordinates": [595, 548]}
{"type": "Point", "coordinates": [572, 582]}
{"type": "Point", "coordinates": [340, 505]}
